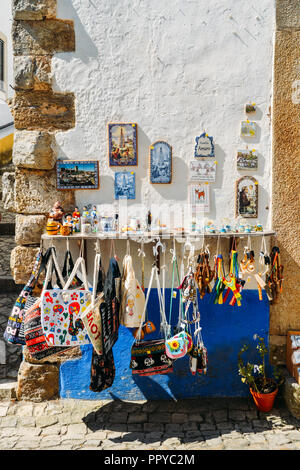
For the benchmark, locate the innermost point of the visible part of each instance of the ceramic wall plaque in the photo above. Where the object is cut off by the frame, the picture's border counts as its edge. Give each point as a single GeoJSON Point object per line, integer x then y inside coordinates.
{"type": "Point", "coordinates": [124, 185]}
{"type": "Point", "coordinates": [248, 129]}
{"type": "Point", "coordinates": [247, 160]}
{"type": "Point", "coordinates": [202, 170]}
{"type": "Point", "coordinates": [199, 196]}
{"type": "Point", "coordinates": [160, 163]}
{"type": "Point", "coordinates": [77, 174]}
{"type": "Point", "coordinates": [122, 144]}
{"type": "Point", "coordinates": [204, 146]}
{"type": "Point", "coordinates": [247, 197]}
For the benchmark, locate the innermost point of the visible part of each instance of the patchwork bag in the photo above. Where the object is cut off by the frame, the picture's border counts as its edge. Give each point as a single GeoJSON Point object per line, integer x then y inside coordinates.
{"type": "Point", "coordinates": [149, 357]}
{"type": "Point", "coordinates": [61, 311]}
{"type": "Point", "coordinates": [133, 297]}
{"type": "Point", "coordinates": [14, 332]}
{"type": "Point", "coordinates": [36, 343]}
{"type": "Point", "coordinates": [179, 345]}
{"type": "Point", "coordinates": [91, 316]}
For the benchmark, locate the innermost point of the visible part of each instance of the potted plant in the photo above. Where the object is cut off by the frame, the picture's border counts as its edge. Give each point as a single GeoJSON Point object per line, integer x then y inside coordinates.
{"type": "Point", "coordinates": [262, 388]}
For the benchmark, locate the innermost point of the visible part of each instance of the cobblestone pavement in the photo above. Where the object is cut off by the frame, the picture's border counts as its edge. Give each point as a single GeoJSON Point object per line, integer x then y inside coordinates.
{"type": "Point", "coordinates": [202, 424]}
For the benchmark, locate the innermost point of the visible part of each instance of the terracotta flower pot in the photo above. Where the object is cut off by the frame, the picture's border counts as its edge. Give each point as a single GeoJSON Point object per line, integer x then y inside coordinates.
{"type": "Point", "coordinates": [264, 401]}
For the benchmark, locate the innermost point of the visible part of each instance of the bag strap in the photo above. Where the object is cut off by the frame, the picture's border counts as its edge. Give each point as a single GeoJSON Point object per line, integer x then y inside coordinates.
{"type": "Point", "coordinates": [52, 265]}
{"type": "Point", "coordinates": [79, 261]}
{"type": "Point", "coordinates": [68, 264]}
{"type": "Point", "coordinates": [95, 278]}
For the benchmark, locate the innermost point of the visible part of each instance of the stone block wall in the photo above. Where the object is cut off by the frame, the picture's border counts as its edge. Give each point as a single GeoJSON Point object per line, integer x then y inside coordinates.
{"type": "Point", "coordinates": [38, 113]}
{"type": "Point", "coordinates": [284, 315]}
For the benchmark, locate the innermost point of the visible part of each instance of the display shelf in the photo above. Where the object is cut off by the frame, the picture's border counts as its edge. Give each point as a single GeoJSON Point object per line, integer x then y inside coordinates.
{"type": "Point", "coordinates": [153, 235]}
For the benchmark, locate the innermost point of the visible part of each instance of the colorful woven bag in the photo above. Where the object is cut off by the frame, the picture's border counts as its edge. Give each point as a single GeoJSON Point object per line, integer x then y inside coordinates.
{"type": "Point", "coordinates": [61, 311]}
{"type": "Point", "coordinates": [36, 343]}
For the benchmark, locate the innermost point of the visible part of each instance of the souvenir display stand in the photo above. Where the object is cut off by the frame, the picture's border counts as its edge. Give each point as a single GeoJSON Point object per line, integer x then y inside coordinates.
{"type": "Point", "coordinates": [217, 324]}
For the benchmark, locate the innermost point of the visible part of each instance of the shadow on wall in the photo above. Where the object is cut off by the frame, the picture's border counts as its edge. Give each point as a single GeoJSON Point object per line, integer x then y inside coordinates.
{"type": "Point", "coordinates": [85, 48]}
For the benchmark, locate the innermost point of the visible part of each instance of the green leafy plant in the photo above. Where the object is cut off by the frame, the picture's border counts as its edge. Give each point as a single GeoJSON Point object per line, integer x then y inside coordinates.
{"type": "Point", "coordinates": [255, 374]}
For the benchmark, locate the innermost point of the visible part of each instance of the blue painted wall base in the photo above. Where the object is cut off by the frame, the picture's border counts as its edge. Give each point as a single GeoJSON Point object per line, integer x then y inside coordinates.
{"type": "Point", "coordinates": [225, 329]}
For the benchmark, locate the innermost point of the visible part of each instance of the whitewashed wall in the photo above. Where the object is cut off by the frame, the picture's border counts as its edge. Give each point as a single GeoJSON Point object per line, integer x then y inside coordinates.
{"type": "Point", "coordinates": [176, 68]}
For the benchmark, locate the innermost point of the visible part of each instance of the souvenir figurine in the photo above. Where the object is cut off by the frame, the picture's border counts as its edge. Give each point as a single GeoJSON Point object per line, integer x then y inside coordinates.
{"type": "Point", "coordinates": [116, 222]}
{"type": "Point", "coordinates": [69, 222]}
{"type": "Point", "coordinates": [76, 214]}
{"type": "Point", "coordinates": [95, 219]}
{"type": "Point", "coordinates": [149, 221]}
{"type": "Point", "coordinates": [258, 227]}
{"type": "Point", "coordinates": [52, 227]}
{"type": "Point", "coordinates": [85, 213]}
{"type": "Point", "coordinates": [57, 212]}
{"type": "Point", "coordinates": [76, 219]}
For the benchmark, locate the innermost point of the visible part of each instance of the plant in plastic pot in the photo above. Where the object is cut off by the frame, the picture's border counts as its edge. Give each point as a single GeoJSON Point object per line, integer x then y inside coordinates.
{"type": "Point", "coordinates": [262, 388]}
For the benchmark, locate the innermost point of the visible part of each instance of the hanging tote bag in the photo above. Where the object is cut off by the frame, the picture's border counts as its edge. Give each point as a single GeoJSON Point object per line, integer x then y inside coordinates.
{"type": "Point", "coordinates": [68, 268]}
{"type": "Point", "coordinates": [62, 309]}
{"type": "Point", "coordinates": [36, 343]}
{"type": "Point", "coordinates": [133, 297]}
{"type": "Point", "coordinates": [110, 308]}
{"type": "Point", "coordinates": [14, 332]}
{"type": "Point", "coordinates": [91, 316]}
{"type": "Point", "coordinates": [149, 357]}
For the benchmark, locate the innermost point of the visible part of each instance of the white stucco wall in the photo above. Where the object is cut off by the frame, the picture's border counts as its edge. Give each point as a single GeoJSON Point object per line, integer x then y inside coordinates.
{"type": "Point", "coordinates": [176, 68]}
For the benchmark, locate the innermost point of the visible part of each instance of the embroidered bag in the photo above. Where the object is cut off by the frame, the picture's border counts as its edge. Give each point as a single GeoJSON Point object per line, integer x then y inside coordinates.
{"type": "Point", "coordinates": [102, 371]}
{"type": "Point", "coordinates": [36, 343]}
{"type": "Point", "coordinates": [91, 317]}
{"type": "Point", "coordinates": [61, 312]}
{"type": "Point", "coordinates": [149, 357]}
{"type": "Point", "coordinates": [133, 297]}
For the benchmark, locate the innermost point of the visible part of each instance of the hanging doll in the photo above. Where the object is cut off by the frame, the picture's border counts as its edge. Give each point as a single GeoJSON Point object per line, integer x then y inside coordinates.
{"type": "Point", "coordinates": [204, 274]}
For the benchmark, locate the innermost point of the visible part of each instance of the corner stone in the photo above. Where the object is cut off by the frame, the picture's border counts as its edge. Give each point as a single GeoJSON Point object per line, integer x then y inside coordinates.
{"type": "Point", "coordinates": [43, 37]}
{"type": "Point", "coordinates": [35, 192]}
{"type": "Point", "coordinates": [34, 150]}
{"type": "Point", "coordinates": [43, 110]}
{"type": "Point", "coordinates": [33, 10]}
{"type": "Point", "coordinates": [22, 260]}
{"type": "Point", "coordinates": [29, 229]}
{"type": "Point", "coordinates": [37, 382]}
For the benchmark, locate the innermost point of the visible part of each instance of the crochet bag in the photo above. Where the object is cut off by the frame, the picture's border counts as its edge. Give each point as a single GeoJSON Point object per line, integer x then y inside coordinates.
{"type": "Point", "coordinates": [149, 357]}
{"type": "Point", "coordinates": [62, 309]}
{"type": "Point", "coordinates": [133, 297]}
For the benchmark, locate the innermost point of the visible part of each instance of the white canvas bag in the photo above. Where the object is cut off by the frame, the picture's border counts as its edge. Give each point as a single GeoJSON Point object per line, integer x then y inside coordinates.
{"type": "Point", "coordinates": [133, 297]}
{"type": "Point", "coordinates": [61, 311]}
{"type": "Point", "coordinates": [91, 316]}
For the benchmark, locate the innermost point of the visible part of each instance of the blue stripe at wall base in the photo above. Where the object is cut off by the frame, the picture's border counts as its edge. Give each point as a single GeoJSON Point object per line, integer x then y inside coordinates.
{"type": "Point", "coordinates": [225, 329]}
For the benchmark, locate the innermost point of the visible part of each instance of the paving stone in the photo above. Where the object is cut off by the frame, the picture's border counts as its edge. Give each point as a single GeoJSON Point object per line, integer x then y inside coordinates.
{"type": "Point", "coordinates": [135, 427]}
{"type": "Point", "coordinates": [28, 444]}
{"type": "Point", "coordinates": [173, 428]}
{"type": "Point", "coordinates": [237, 415]}
{"type": "Point", "coordinates": [159, 418]}
{"type": "Point", "coordinates": [50, 441]}
{"type": "Point", "coordinates": [28, 432]}
{"type": "Point", "coordinates": [235, 443]}
{"type": "Point", "coordinates": [26, 422]}
{"type": "Point", "coordinates": [195, 418]}
{"type": "Point", "coordinates": [45, 420]}
{"type": "Point", "coordinates": [294, 436]}
{"type": "Point", "coordinates": [179, 418]}
{"type": "Point", "coordinates": [137, 418]}
{"type": "Point", "coordinates": [8, 422]}
{"type": "Point", "coordinates": [153, 427]}
{"type": "Point", "coordinates": [52, 430]}
{"type": "Point", "coordinates": [3, 410]}
{"type": "Point", "coordinates": [220, 416]}
{"type": "Point", "coordinates": [118, 417]}
{"type": "Point", "coordinates": [207, 427]}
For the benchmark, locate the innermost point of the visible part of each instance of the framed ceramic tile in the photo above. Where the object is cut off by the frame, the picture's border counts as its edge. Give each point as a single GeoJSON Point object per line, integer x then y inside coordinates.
{"type": "Point", "coordinates": [202, 170]}
{"type": "Point", "coordinates": [199, 196]}
{"type": "Point", "coordinates": [160, 163]}
{"type": "Point", "coordinates": [204, 146]}
{"type": "Point", "coordinates": [248, 129]}
{"type": "Point", "coordinates": [77, 174]}
{"type": "Point", "coordinates": [122, 144]}
{"type": "Point", "coordinates": [250, 108]}
{"type": "Point", "coordinates": [247, 160]}
{"type": "Point", "coordinates": [124, 185]}
{"type": "Point", "coordinates": [247, 197]}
